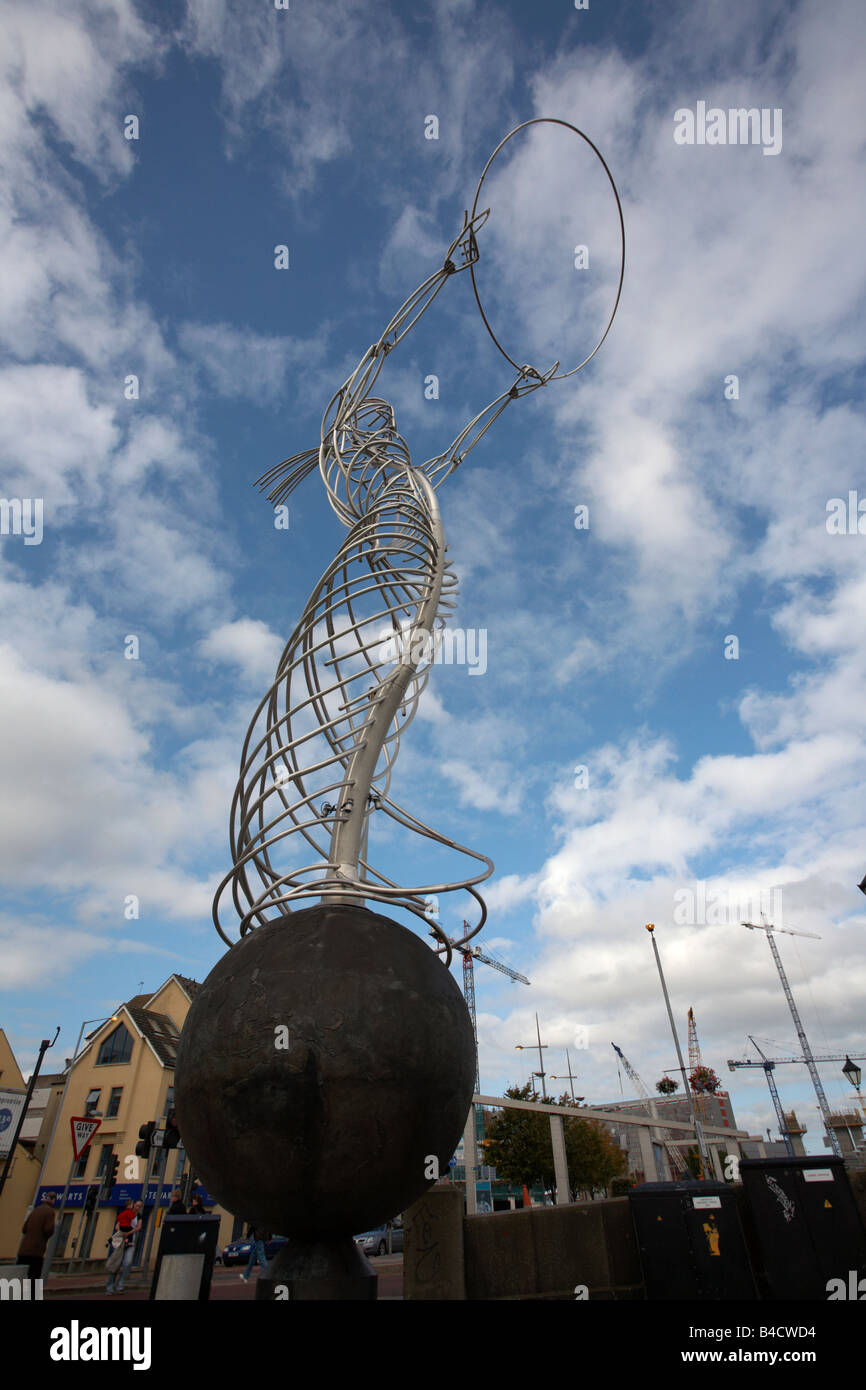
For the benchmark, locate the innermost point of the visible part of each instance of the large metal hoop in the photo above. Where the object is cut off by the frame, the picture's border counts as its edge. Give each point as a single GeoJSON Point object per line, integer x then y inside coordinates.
{"type": "Point", "coordinates": [553, 120]}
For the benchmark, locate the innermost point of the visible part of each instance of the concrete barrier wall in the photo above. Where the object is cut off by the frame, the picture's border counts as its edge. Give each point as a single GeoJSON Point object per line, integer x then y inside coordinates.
{"type": "Point", "coordinates": [433, 1255]}
{"type": "Point", "coordinates": [549, 1252]}
{"type": "Point", "coordinates": [540, 1252]}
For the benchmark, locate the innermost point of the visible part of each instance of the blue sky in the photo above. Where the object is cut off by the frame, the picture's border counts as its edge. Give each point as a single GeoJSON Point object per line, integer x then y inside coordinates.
{"type": "Point", "coordinates": [605, 645]}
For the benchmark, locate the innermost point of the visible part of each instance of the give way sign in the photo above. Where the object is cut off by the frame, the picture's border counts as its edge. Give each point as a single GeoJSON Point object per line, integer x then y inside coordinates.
{"type": "Point", "coordinates": [82, 1132]}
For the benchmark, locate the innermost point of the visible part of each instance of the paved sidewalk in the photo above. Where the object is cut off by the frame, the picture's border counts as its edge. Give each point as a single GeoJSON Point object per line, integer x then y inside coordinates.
{"type": "Point", "coordinates": [225, 1284]}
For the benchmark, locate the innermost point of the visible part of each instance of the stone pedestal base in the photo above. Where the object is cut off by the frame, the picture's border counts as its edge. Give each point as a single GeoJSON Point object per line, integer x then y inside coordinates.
{"type": "Point", "coordinates": [318, 1269]}
{"type": "Point", "coordinates": [325, 1069]}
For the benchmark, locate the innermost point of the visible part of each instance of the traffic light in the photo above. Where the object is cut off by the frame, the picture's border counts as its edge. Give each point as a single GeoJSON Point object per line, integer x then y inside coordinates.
{"type": "Point", "coordinates": [142, 1148]}
{"type": "Point", "coordinates": [172, 1133]}
{"type": "Point", "coordinates": [91, 1199]}
{"type": "Point", "coordinates": [110, 1176]}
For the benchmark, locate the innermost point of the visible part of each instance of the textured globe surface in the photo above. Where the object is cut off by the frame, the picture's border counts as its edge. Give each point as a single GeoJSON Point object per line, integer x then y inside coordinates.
{"type": "Point", "coordinates": [324, 1062]}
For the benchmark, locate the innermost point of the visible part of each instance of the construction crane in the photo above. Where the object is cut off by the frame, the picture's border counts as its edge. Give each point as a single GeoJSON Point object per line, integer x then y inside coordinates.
{"type": "Point", "coordinates": [768, 1064]}
{"type": "Point", "coordinates": [677, 1160]}
{"type": "Point", "coordinates": [801, 1032]}
{"type": "Point", "coordinates": [695, 1062]}
{"type": "Point", "coordinates": [470, 954]}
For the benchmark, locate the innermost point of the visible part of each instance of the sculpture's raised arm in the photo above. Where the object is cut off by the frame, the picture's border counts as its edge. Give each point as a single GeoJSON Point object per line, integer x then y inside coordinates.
{"type": "Point", "coordinates": [343, 407]}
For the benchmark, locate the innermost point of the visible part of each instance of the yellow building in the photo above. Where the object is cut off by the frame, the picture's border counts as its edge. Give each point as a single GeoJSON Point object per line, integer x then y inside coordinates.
{"type": "Point", "coordinates": [23, 1173]}
{"type": "Point", "coordinates": [39, 1121]}
{"type": "Point", "coordinates": [123, 1077]}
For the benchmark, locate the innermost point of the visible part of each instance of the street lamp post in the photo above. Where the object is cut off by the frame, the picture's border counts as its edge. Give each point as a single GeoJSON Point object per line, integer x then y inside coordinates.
{"type": "Point", "coordinates": [853, 1073]}
{"type": "Point", "coordinates": [699, 1129]}
{"type": "Point", "coordinates": [44, 1047]}
{"type": "Point", "coordinates": [520, 1047]}
{"type": "Point", "coordinates": [571, 1076]}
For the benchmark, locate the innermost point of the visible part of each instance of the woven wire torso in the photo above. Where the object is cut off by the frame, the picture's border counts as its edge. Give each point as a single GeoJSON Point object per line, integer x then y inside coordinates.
{"type": "Point", "coordinates": [318, 755]}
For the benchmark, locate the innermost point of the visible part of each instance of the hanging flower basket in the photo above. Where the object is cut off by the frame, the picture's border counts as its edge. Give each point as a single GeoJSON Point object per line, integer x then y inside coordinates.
{"type": "Point", "coordinates": [704, 1081]}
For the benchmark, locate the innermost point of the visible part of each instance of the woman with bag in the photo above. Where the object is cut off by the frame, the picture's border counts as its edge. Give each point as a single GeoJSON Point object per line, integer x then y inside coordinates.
{"type": "Point", "coordinates": [122, 1246]}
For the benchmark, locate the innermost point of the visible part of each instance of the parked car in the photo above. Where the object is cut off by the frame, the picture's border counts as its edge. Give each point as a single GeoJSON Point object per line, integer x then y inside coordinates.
{"type": "Point", "coordinates": [238, 1251]}
{"type": "Point", "coordinates": [376, 1242]}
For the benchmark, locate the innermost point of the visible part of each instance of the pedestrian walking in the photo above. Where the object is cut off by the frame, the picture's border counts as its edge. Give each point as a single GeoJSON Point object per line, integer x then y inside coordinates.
{"type": "Point", "coordinates": [122, 1243]}
{"type": "Point", "coordinates": [177, 1207]}
{"type": "Point", "coordinates": [258, 1236]}
{"type": "Point", "coordinates": [37, 1231]}
{"type": "Point", "coordinates": [197, 1206]}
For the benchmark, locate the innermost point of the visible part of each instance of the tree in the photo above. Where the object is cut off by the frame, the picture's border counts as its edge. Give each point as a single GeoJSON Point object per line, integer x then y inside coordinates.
{"type": "Point", "coordinates": [594, 1157]}
{"type": "Point", "coordinates": [519, 1145]}
{"type": "Point", "coordinates": [667, 1086]}
{"type": "Point", "coordinates": [693, 1162]}
{"type": "Point", "coordinates": [517, 1142]}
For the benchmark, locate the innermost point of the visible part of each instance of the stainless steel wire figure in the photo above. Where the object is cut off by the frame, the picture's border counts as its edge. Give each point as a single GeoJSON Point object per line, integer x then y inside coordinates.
{"type": "Point", "coordinates": [317, 758]}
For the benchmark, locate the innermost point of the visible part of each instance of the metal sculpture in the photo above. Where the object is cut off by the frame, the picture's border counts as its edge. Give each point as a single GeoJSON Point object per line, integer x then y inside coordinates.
{"type": "Point", "coordinates": [318, 755]}
{"type": "Point", "coordinates": [324, 1074]}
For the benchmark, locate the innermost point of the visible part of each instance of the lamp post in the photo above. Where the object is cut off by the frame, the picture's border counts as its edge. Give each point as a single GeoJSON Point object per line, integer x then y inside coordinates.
{"type": "Point", "coordinates": [52, 1245]}
{"type": "Point", "coordinates": [853, 1073]}
{"type": "Point", "coordinates": [572, 1077]}
{"type": "Point", "coordinates": [699, 1129]}
{"type": "Point", "coordinates": [44, 1046]}
{"type": "Point", "coordinates": [520, 1047]}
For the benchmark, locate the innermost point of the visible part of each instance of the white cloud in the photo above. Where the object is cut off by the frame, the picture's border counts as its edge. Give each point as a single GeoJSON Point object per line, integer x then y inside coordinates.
{"type": "Point", "coordinates": [507, 892]}
{"type": "Point", "coordinates": [90, 814]}
{"type": "Point", "coordinates": [249, 644]}
{"type": "Point", "coordinates": [54, 441]}
{"type": "Point", "coordinates": [489, 789]}
{"type": "Point", "coordinates": [239, 362]}
{"type": "Point", "coordinates": [28, 958]}
{"type": "Point", "coordinates": [66, 64]}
